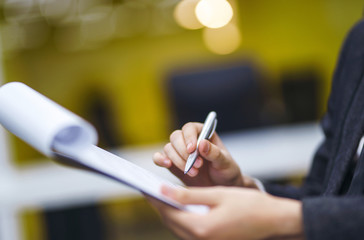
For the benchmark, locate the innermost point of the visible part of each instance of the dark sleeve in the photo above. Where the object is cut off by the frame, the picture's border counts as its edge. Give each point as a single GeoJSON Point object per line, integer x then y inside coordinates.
{"type": "Point", "coordinates": [333, 218]}
{"type": "Point", "coordinates": [283, 190]}
{"type": "Point", "coordinates": [314, 182]}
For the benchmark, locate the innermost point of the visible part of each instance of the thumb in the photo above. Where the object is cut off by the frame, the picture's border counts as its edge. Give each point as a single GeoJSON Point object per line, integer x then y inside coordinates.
{"type": "Point", "coordinates": [201, 196]}
{"type": "Point", "coordinates": [213, 154]}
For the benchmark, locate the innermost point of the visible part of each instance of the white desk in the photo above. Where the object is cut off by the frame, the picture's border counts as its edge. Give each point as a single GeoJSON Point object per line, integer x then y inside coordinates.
{"type": "Point", "coordinates": [275, 152]}
{"type": "Point", "coordinates": [267, 153]}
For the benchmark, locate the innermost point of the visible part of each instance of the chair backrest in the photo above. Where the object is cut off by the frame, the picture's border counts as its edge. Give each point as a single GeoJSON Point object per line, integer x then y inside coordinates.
{"type": "Point", "coordinates": [301, 88]}
{"type": "Point", "coordinates": [233, 91]}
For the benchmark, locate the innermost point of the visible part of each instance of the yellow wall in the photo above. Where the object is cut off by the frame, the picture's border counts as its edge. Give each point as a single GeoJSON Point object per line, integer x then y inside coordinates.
{"type": "Point", "coordinates": [278, 34]}
{"type": "Point", "coordinates": [289, 33]}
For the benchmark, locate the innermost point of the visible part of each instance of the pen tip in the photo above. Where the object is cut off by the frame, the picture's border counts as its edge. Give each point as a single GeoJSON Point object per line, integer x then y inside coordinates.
{"type": "Point", "coordinates": [186, 172]}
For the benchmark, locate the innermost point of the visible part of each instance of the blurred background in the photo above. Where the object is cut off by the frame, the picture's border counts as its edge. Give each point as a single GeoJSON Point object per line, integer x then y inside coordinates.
{"type": "Point", "coordinates": [138, 69]}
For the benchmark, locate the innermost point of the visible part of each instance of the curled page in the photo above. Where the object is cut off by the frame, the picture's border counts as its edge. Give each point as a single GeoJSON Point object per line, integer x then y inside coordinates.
{"type": "Point", "coordinates": [60, 134]}
{"type": "Point", "coordinates": [39, 121]}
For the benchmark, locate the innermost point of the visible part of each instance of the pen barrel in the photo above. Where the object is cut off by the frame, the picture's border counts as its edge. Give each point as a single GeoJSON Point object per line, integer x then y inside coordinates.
{"type": "Point", "coordinates": [208, 127]}
{"type": "Point", "coordinates": [206, 132]}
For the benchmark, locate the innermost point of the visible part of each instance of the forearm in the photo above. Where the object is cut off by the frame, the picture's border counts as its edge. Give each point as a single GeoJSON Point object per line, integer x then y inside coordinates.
{"type": "Point", "coordinates": [284, 218]}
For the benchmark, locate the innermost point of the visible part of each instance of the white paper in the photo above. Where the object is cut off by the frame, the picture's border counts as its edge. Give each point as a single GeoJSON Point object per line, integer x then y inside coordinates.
{"type": "Point", "coordinates": [37, 120]}
{"type": "Point", "coordinates": [53, 130]}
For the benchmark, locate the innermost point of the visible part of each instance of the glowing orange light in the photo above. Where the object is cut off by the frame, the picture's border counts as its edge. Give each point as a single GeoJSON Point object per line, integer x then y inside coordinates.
{"type": "Point", "coordinates": [214, 13]}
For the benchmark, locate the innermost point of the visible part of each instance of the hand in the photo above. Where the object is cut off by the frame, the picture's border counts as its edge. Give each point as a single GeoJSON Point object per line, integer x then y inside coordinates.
{"type": "Point", "coordinates": [214, 166]}
{"type": "Point", "coordinates": [235, 213]}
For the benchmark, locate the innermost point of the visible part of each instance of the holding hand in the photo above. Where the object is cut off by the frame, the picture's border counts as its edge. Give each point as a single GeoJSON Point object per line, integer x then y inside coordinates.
{"type": "Point", "coordinates": [235, 213]}
{"type": "Point", "coordinates": [214, 165]}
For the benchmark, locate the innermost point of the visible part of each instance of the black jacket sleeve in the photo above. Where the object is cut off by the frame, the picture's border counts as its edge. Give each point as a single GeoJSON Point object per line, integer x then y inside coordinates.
{"type": "Point", "coordinates": [314, 182]}
{"type": "Point", "coordinates": [349, 69]}
{"type": "Point", "coordinates": [333, 218]}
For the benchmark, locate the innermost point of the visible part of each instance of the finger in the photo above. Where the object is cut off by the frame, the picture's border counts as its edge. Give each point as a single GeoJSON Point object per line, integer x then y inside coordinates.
{"type": "Point", "coordinates": [182, 223]}
{"type": "Point", "coordinates": [190, 133]}
{"type": "Point", "coordinates": [214, 154]}
{"type": "Point", "coordinates": [177, 172]}
{"type": "Point", "coordinates": [177, 227]}
{"type": "Point", "coordinates": [193, 172]}
{"type": "Point", "coordinates": [161, 160]}
{"type": "Point", "coordinates": [178, 221]}
{"type": "Point", "coordinates": [181, 175]}
{"type": "Point", "coordinates": [198, 163]}
{"type": "Point", "coordinates": [185, 178]}
{"type": "Point", "coordinates": [178, 143]}
{"type": "Point", "coordinates": [204, 196]}
{"type": "Point", "coordinates": [176, 159]}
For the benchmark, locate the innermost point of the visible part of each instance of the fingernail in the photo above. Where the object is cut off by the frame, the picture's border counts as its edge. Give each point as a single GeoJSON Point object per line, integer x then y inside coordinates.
{"type": "Point", "coordinates": [206, 147]}
{"type": "Point", "coordinates": [193, 172]}
{"type": "Point", "coordinates": [167, 191]}
{"type": "Point", "coordinates": [189, 147]}
{"type": "Point", "coordinates": [166, 163]}
{"type": "Point", "coordinates": [198, 163]}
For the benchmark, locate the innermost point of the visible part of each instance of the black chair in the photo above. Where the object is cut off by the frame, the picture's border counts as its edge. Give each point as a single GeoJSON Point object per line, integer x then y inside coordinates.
{"type": "Point", "coordinates": [233, 91]}
{"type": "Point", "coordinates": [301, 94]}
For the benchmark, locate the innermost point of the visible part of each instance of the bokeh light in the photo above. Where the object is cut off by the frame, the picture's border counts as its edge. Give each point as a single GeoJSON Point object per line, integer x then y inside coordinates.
{"type": "Point", "coordinates": [223, 40]}
{"type": "Point", "coordinates": [185, 15]}
{"type": "Point", "coordinates": [214, 13]}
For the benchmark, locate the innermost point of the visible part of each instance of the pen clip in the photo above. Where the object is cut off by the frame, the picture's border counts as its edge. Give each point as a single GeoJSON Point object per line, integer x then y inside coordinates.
{"type": "Point", "coordinates": [212, 130]}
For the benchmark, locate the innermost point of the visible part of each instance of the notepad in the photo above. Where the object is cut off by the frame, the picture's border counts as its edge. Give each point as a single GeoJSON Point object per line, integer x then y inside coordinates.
{"type": "Point", "coordinates": [62, 135]}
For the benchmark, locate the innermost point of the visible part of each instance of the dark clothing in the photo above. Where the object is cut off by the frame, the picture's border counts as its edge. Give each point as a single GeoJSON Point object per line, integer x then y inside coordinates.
{"type": "Point", "coordinates": [333, 199]}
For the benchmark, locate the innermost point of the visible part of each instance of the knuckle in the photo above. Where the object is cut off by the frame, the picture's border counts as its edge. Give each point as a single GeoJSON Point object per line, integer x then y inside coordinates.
{"type": "Point", "coordinates": [167, 147]}
{"type": "Point", "coordinates": [219, 154]}
{"type": "Point", "coordinates": [156, 157]}
{"type": "Point", "coordinates": [187, 126]}
{"type": "Point", "coordinates": [216, 154]}
{"type": "Point", "coordinates": [175, 135]}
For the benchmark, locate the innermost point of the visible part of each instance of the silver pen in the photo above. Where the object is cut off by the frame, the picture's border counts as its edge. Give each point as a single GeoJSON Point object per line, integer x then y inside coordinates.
{"type": "Point", "coordinates": [207, 130]}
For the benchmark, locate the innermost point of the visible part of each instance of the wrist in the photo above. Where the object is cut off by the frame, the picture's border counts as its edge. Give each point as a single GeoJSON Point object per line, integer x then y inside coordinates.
{"type": "Point", "coordinates": [287, 220]}
{"type": "Point", "coordinates": [250, 182]}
